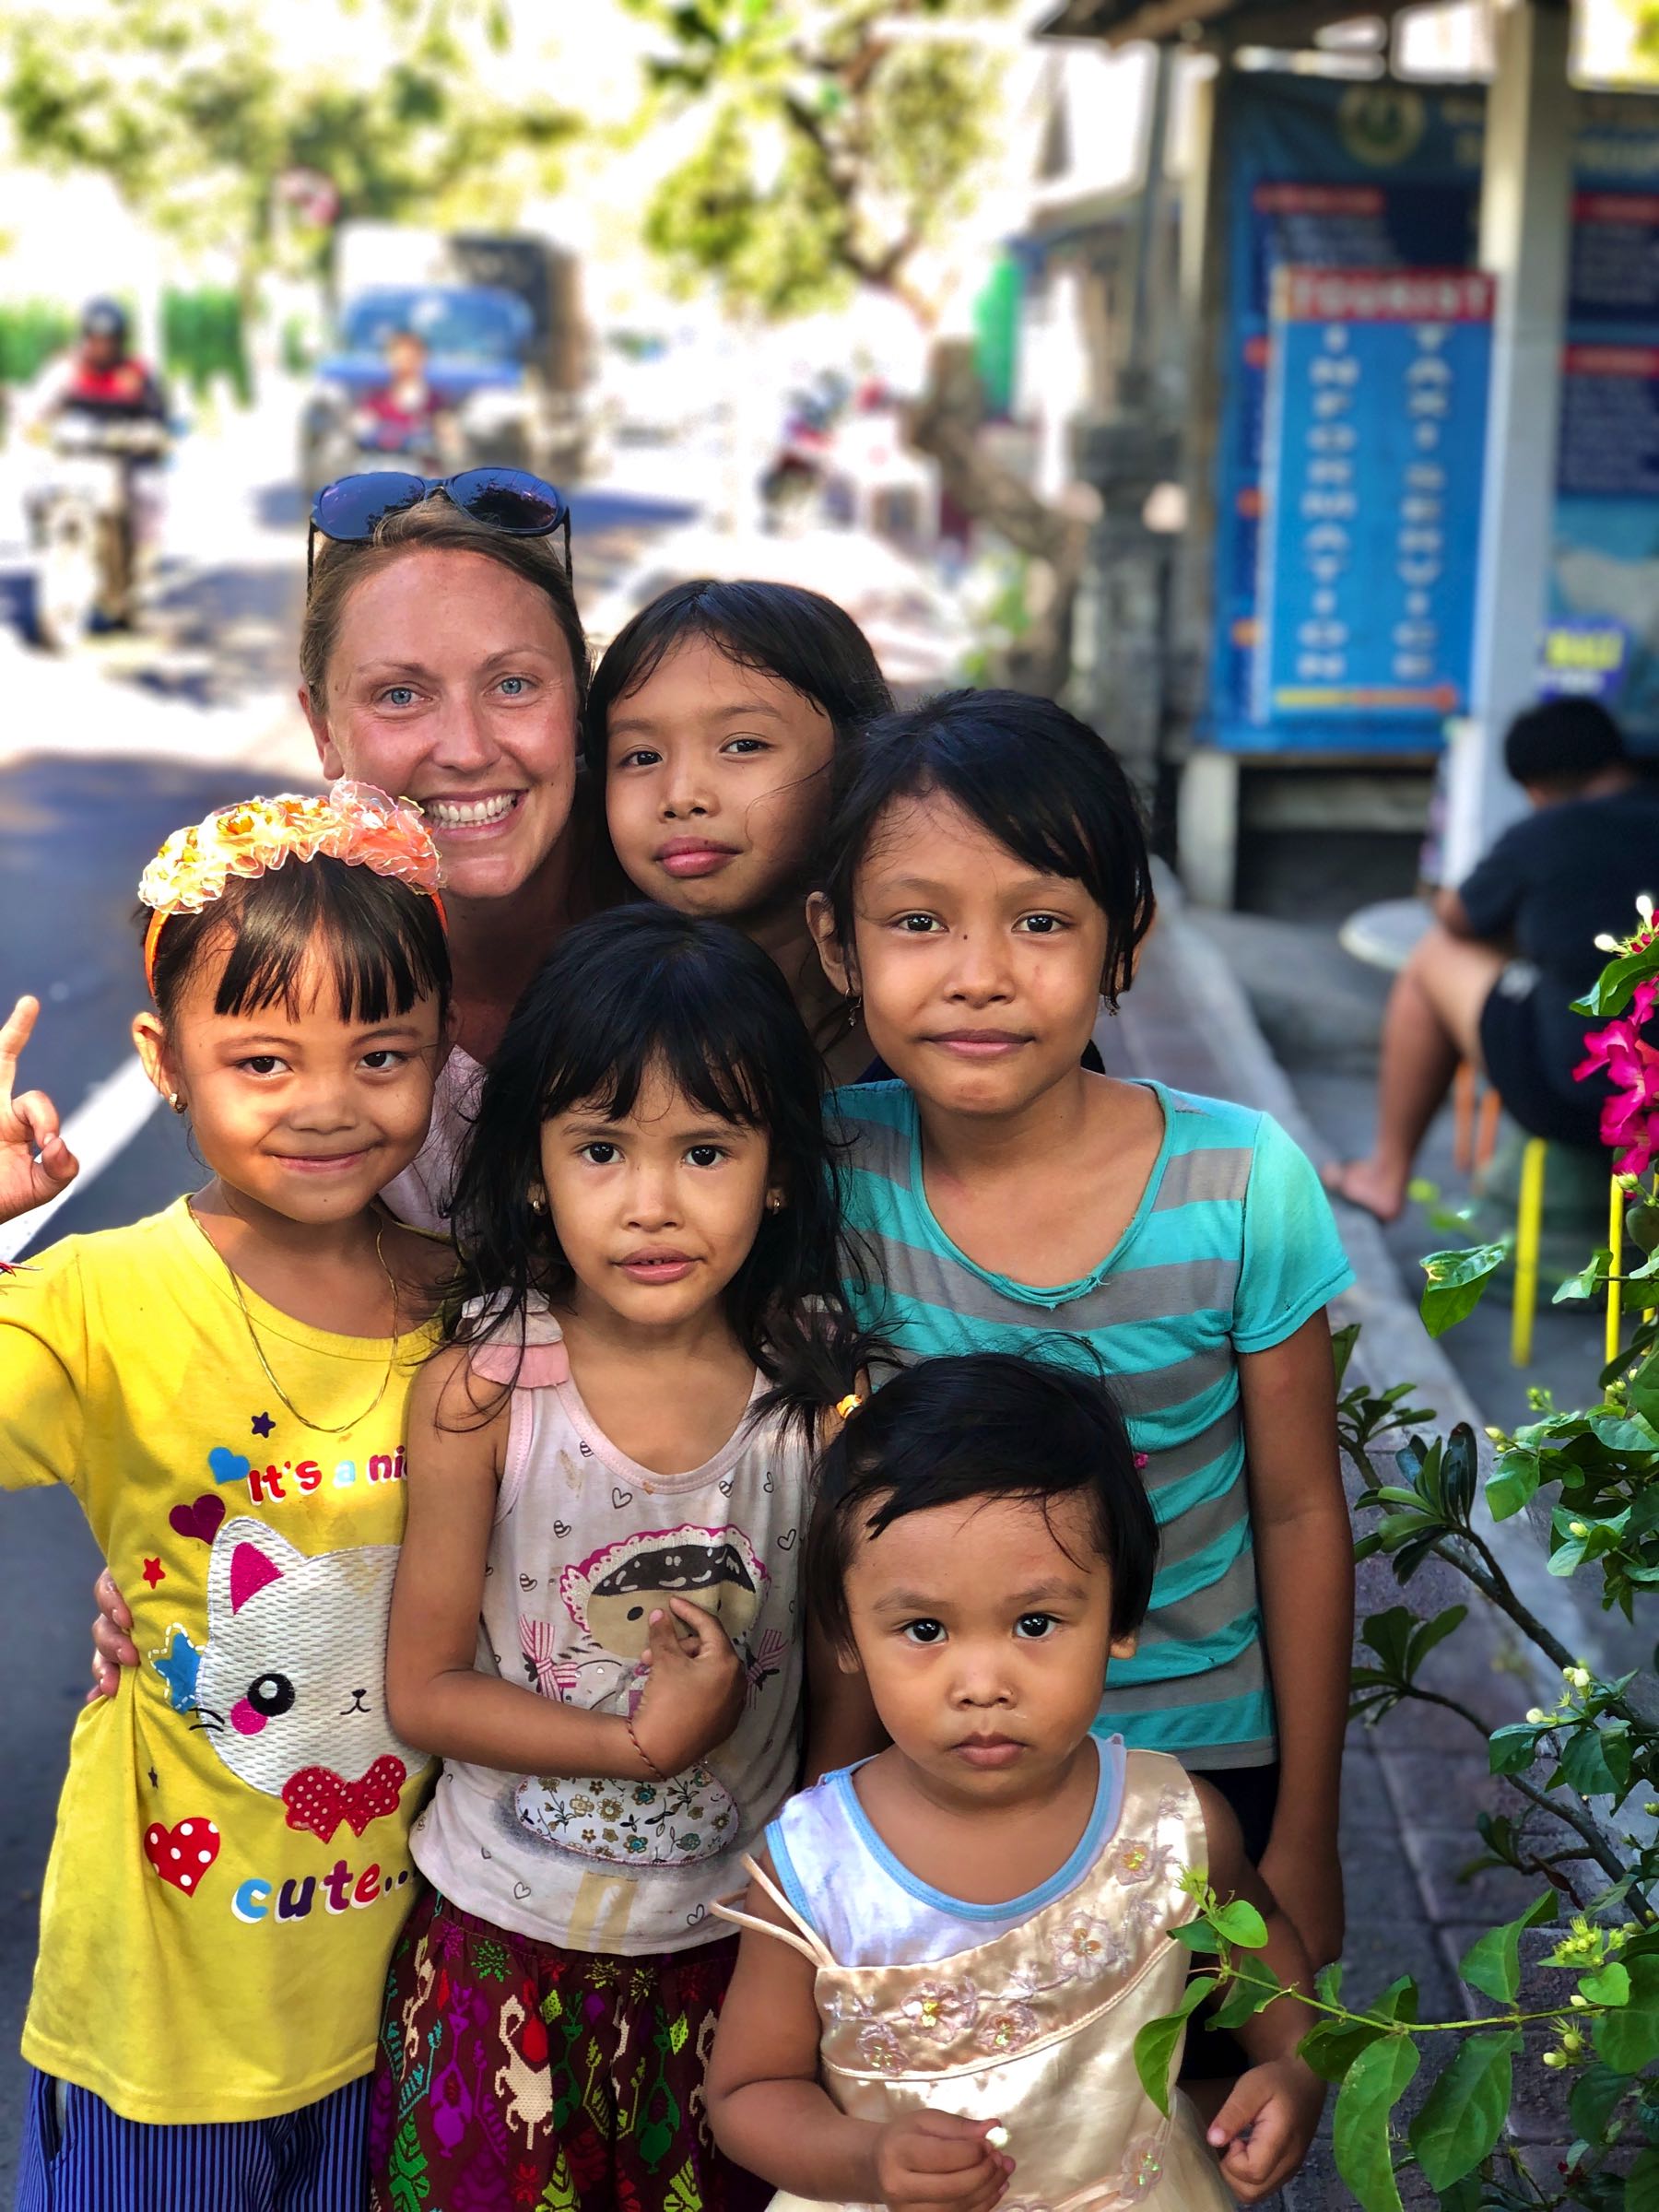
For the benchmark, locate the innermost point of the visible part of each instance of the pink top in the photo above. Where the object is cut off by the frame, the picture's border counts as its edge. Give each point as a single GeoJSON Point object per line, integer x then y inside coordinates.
{"type": "Point", "coordinates": [422, 1195]}
{"type": "Point", "coordinates": [586, 1543]}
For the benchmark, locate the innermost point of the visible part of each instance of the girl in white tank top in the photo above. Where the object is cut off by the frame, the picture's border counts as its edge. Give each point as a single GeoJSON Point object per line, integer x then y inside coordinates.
{"type": "Point", "coordinates": [954, 1945]}
{"type": "Point", "coordinates": [595, 1620]}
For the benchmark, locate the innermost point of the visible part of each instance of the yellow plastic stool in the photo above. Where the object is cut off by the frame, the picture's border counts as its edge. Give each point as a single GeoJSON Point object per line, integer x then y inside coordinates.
{"type": "Point", "coordinates": [1529, 1227]}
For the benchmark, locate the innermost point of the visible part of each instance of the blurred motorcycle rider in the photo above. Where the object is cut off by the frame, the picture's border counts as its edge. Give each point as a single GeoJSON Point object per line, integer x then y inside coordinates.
{"type": "Point", "coordinates": [101, 377]}
{"type": "Point", "coordinates": [101, 382]}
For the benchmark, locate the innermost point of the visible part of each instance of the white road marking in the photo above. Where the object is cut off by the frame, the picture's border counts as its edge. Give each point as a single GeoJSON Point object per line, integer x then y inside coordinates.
{"type": "Point", "coordinates": [100, 1130]}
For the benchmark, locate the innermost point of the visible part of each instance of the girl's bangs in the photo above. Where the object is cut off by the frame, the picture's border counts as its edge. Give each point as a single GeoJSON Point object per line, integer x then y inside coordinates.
{"type": "Point", "coordinates": [1036, 821]}
{"type": "Point", "coordinates": [705, 1062]}
{"type": "Point", "coordinates": [364, 929]}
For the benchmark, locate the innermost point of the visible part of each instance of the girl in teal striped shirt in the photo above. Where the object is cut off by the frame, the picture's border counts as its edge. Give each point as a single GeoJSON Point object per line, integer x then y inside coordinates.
{"type": "Point", "coordinates": [986, 884]}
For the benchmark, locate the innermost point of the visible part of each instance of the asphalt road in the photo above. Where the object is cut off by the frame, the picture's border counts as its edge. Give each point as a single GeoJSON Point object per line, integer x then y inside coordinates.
{"type": "Point", "coordinates": [77, 825]}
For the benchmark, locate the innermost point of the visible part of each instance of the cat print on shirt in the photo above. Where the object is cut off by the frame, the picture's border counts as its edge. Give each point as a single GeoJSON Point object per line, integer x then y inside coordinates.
{"type": "Point", "coordinates": [610, 1598]}
{"type": "Point", "coordinates": [293, 1685]}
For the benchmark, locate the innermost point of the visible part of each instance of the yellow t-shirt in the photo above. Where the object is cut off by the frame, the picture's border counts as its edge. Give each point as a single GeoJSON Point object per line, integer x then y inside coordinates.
{"type": "Point", "coordinates": [231, 1868]}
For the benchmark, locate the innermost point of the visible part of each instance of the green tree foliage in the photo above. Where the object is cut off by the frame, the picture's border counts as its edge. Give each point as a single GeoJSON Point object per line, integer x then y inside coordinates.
{"type": "Point", "coordinates": [191, 109]}
{"type": "Point", "coordinates": [840, 143]}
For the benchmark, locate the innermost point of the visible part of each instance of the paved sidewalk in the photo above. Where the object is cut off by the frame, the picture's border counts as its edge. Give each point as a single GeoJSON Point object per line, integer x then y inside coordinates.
{"type": "Point", "coordinates": [1412, 1786]}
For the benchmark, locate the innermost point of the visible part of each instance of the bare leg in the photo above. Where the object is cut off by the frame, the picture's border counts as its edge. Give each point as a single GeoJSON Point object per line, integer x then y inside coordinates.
{"type": "Point", "coordinates": [1433, 1020]}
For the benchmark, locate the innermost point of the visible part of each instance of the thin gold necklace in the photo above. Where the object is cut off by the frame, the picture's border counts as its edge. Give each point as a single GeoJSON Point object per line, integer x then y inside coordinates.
{"type": "Point", "coordinates": [317, 1428]}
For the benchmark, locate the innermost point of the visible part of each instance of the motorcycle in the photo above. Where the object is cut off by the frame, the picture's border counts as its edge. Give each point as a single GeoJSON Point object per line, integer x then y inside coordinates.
{"type": "Point", "coordinates": [794, 481]}
{"type": "Point", "coordinates": [84, 523]}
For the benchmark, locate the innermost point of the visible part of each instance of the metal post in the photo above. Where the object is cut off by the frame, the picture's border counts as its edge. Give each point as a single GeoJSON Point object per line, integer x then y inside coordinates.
{"type": "Point", "coordinates": [1524, 237]}
{"type": "Point", "coordinates": [1149, 229]}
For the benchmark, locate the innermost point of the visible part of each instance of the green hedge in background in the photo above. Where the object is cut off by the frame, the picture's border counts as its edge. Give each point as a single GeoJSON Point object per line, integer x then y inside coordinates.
{"type": "Point", "coordinates": [31, 332]}
{"type": "Point", "coordinates": [204, 339]}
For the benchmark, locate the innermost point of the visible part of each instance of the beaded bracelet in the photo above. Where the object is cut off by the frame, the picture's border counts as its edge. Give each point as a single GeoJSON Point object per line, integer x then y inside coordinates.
{"type": "Point", "coordinates": [638, 1747]}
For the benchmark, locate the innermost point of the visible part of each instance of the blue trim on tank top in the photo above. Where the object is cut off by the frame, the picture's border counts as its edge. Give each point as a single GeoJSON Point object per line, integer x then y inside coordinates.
{"type": "Point", "coordinates": [1101, 1821]}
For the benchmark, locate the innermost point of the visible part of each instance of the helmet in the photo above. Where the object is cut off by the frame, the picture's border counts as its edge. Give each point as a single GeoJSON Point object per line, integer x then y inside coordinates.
{"type": "Point", "coordinates": [104, 319]}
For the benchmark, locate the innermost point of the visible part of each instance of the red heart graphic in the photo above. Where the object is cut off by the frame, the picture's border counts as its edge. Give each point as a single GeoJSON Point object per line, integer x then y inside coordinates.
{"type": "Point", "coordinates": [181, 1855]}
{"type": "Point", "coordinates": [318, 1798]}
{"type": "Point", "coordinates": [200, 1519]}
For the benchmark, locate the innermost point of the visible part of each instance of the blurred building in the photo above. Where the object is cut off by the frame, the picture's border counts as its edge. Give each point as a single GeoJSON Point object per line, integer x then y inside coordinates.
{"type": "Point", "coordinates": [1284, 622]}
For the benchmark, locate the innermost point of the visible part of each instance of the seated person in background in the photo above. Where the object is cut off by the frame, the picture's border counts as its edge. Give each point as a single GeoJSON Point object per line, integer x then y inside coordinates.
{"type": "Point", "coordinates": [406, 411]}
{"type": "Point", "coordinates": [1493, 981]}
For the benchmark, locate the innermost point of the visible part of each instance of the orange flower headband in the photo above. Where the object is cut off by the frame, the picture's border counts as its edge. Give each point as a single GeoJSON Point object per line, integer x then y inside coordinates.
{"type": "Point", "coordinates": [353, 822]}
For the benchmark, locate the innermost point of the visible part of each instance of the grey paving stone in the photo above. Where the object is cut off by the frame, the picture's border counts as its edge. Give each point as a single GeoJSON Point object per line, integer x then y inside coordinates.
{"type": "Point", "coordinates": [1320, 2188]}
{"type": "Point", "coordinates": [1437, 1787]}
{"type": "Point", "coordinates": [1365, 1799]}
{"type": "Point", "coordinates": [1378, 1952]}
{"type": "Point", "coordinates": [1495, 1894]}
{"type": "Point", "coordinates": [1538, 2109]}
{"type": "Point", "coordinates": [1539, 1985]}
{"type": "Point", "coordinates": [1378, 1875]}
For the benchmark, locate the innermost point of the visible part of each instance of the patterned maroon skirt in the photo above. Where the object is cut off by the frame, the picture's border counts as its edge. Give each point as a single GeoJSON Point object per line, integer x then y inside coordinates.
{"type": "Point", "coordinates": [513, 2073]}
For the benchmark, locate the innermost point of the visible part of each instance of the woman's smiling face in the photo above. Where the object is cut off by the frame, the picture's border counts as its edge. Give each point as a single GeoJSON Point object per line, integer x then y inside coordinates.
{"type": "Point", "coordinates": [450, 683]}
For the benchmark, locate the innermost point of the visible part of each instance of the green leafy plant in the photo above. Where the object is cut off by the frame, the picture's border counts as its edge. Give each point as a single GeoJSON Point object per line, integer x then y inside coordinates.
{"type": "Point", "coordinates": [195, 110]}
{"type": "Point", "coordinates": [1580, 1965]}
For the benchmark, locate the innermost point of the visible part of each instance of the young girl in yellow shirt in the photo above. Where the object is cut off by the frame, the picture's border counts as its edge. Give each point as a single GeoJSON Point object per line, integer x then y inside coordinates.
{"type": "Point", "coordinates": [223, 1387]}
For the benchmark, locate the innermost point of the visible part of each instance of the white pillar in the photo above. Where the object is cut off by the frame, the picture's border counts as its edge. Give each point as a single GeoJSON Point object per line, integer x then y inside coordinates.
{"type": "Point", "coordinates": [1526, 206]}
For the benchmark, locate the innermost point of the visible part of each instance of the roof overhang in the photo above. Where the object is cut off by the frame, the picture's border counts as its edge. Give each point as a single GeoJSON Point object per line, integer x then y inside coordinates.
{"type": "Point", "coordinates": [1207, 23]}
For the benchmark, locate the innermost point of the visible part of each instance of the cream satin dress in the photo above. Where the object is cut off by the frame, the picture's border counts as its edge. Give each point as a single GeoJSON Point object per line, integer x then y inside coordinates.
{"type": "Point", "coordinates": [1034, 2025]}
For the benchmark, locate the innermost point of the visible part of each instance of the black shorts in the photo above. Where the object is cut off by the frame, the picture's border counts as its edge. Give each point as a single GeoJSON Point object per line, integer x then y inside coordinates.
{"type": "Point", "coordinates": [1253, 1792]}
{"type": "Point", "coordinates": [1515, 1062]}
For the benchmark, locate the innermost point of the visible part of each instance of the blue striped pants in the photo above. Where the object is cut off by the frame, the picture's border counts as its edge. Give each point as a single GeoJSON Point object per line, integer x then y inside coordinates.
{"type": "Point", "coordinates": [78, 2156]}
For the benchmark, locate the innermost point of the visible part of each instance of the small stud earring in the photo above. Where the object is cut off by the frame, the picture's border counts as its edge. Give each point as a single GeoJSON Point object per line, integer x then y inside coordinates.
{"type": "Point", "coordinates": [538, 1201]}
{"type": "Point", "coordinates": [175, 1101]}
{"type": "Point", "coordinates": [774, 1202]}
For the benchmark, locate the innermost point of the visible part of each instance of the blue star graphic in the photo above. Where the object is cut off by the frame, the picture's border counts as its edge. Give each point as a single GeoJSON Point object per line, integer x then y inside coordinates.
{"type": "Point", "coordinates": [262, 1424]}
{"type": "Point", "coordinates": [177, 1669]}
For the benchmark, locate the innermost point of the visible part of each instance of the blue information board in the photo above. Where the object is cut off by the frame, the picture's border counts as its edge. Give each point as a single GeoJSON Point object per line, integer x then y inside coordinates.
{"type": "Point", "coordinates": [1370, 493]}
{"type": "Point", "coordinates": [1363, 177]}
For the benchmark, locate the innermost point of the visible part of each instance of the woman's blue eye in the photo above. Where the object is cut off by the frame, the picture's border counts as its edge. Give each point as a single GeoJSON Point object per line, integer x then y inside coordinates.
{"type": "Point", "coordinates": [924, 1631]}
{"type": "Point", "coordinates": [398, 695]}
{"type": "Point", "coordinates": [514, 686]}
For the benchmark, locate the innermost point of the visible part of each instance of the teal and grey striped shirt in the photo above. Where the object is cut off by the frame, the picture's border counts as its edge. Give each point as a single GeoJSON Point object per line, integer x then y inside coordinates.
{"type": "Point", "coordinates": [1231, 1247]}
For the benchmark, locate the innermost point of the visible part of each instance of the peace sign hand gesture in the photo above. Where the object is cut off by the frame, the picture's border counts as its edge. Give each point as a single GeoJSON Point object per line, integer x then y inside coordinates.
{"type": "Point", "coordinates": [35, 1163]}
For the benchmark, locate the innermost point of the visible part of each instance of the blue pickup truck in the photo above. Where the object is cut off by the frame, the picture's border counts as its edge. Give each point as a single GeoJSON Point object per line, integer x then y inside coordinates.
{"type": "Point", "coordinates": [504, 359]}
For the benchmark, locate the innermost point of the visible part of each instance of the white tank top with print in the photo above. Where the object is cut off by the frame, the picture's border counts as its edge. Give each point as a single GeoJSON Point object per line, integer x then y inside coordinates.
{"type": "Point", "coordinates": [586, 1543]}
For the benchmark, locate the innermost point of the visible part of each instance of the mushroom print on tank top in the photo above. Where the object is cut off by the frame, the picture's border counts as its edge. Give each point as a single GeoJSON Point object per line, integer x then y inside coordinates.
{"type": "Point", "coordinates": [609, 1598]}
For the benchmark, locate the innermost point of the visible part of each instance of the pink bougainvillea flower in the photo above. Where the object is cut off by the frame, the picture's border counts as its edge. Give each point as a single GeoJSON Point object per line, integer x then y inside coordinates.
{"type": "Point", "coordinates": [1629, 1061]}
{"type": "Point", "coordinates": [1630, 1128]}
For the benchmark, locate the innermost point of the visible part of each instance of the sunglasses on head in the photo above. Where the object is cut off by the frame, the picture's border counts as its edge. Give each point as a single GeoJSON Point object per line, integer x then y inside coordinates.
{"type": "Point", "coordinates": [508, 500]}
